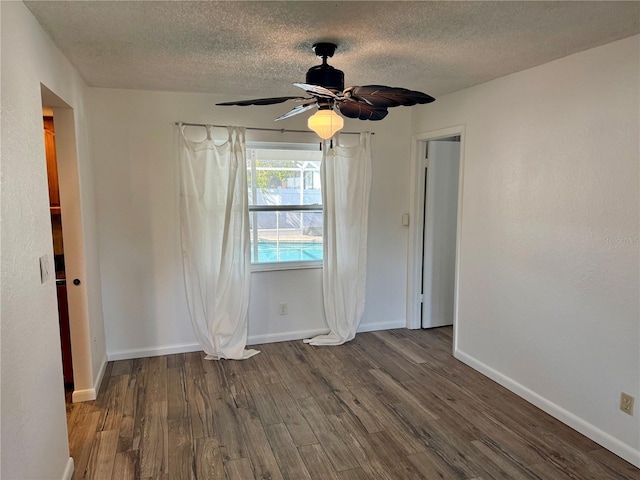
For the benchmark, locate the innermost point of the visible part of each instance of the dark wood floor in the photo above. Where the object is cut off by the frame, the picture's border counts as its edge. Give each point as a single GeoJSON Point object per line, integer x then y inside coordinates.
{"type": "Point", "coordinates": [389, 405]}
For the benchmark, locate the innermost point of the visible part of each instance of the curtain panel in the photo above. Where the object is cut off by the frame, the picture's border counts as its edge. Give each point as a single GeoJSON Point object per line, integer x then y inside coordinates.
{"type": "Point", "coordinates": [214, 223]}
{"type": "Point", "coordinates": [346, 182]}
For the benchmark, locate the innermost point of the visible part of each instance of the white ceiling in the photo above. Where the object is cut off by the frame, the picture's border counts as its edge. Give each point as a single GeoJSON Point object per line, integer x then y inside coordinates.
{"type": "Point", "coordinates": [259, 48]}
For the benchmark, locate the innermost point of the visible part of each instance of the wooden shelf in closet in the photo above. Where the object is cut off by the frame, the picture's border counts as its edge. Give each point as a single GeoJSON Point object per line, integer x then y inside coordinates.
{"type": "Point", "coordinates": [52, 163]}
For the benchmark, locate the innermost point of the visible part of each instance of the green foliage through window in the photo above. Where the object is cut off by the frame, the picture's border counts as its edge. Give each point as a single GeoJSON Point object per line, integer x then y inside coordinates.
{"type": "Point", "coordinates": [274, 178]}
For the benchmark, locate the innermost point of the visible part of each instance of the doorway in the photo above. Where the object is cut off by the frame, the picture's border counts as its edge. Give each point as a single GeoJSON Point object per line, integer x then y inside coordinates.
{"type": "Point", "coordinates": [58, 247]}
{"type": "Point", "coordinates": [440, 212]}
{"type": "Point", "coordinates": [434, 230]}
{"type": "Point", "coordinates": [67, 222]}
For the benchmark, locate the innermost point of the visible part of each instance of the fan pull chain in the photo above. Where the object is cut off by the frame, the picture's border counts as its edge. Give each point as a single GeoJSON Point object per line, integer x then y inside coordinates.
{"type": "Point", "coordinates": [330, 144]}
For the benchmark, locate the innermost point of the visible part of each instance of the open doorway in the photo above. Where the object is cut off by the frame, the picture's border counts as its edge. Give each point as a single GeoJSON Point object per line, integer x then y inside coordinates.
{"type": "Point", "coordinates": [68, 232]}
{"type": "Point", "coordinates": [58, 248]}
{"type": "Point", "coordinates": [436, 190]}
{"type": "Point", "coordinates": [440, 215]}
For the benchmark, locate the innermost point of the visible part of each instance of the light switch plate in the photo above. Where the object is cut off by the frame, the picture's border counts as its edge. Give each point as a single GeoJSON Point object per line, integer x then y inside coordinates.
{"type": "Point", "coordinates": [44, 268]}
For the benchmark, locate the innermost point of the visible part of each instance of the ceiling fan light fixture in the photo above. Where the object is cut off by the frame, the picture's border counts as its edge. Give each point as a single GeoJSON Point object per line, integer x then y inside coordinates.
{"type": "Point", "coordinates": [325, 123]}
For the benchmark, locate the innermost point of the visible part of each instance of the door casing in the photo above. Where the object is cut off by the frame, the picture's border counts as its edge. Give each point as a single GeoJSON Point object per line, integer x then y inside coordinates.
{"type": "Point", "coordinates": [73, 233]}
{"type": "Point", "coordinates": [416, 224]}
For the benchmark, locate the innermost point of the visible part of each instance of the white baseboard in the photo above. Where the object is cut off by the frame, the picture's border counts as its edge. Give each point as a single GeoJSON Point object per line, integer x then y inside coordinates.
{"type": "Point", "coordinates": [68, 470]}
{"type": "Point", "coordinates": [154, 351]}
{"type": "Point", "coordinates": [594, 433]}
{"type": "Point", "coordinates": [377, 326]}
{"type": "Point", "coordinates": [194, 347]}
{"type": "Point", "coordinates": [85, 395]}
{"type": "Point", "coordinates": [89, 394]}
{"type": "Point", "coordinates": [285, 336]}
{"type": "Point", "coordinates": [98, 380]}
{"type": "Point", "coordinates": [251, 340]}
{"type": "Point", "coordinates": [302, 334]}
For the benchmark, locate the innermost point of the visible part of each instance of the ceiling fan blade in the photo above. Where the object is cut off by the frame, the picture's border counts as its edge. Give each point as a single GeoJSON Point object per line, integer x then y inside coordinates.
{"type": "Point", "coordinates": [297, 110]}
{"type": "Point", "coordinates": [262, 101]}
{"type": "Point", "coordinates": [385, 97]}
{"type": "Point", "coordinates": [316, 90]}
{"type": "Point", "coordinates": [361, 110]}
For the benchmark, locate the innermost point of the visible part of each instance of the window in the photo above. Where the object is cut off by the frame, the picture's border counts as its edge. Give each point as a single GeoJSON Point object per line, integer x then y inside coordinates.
{"type": "Point", "coordinates": [285, 205]}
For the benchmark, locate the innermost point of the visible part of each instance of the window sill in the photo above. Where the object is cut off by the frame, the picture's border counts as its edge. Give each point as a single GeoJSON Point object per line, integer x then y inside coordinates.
{"type": "Point", "coordinates": [275, 266]}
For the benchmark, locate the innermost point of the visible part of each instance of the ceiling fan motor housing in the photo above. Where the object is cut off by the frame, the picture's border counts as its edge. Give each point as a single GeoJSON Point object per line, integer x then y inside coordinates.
{"type": "Point", "coordinates": [326, 76]}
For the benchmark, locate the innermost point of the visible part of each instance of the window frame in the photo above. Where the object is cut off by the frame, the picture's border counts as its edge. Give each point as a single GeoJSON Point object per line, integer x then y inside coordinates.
{"type": "Point", "coordinates": [255, 209]}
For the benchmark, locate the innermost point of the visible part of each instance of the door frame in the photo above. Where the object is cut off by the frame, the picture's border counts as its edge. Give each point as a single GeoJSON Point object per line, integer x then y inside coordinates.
{"type": "Point", "coordinates": [84, 384]}
{"type": "Point", "coordinates": [416, 224]}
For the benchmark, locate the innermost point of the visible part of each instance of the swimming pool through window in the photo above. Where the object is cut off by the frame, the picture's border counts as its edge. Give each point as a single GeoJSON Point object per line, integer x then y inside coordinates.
{"type": "Point", "coordinates": [285, 203]}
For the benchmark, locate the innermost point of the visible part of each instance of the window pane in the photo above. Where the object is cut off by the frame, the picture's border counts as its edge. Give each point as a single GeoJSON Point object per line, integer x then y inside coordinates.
{"type": "Point", "coordinates": [284, 177]}
{"type": "Point", "coordinates": [286, 236]}
{"type": "Point", "coordinates": [284, 181]}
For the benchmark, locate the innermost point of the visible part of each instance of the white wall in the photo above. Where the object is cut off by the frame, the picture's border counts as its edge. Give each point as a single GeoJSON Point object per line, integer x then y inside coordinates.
{"type": "Point", "coordinates": [549, 267]}
{"type": "Point", "coordinates": [34, 433]}
{"type": "Point", "coordinates": [133, 138]}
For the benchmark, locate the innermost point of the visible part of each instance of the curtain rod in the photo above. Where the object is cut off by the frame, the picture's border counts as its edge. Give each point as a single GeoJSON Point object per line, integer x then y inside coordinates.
{"type": "Point", "coordinates": [281, 130]}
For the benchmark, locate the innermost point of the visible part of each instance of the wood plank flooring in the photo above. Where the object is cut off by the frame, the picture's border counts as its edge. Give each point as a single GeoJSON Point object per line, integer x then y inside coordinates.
{"type": "Point", "coordinates": [392, 405]}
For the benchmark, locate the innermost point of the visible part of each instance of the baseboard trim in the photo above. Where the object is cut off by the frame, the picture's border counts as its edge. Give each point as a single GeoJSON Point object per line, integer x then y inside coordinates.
{"type": "Point", "coordinates": [594, 433]}
{"type": "Point", "coordinates": [377, 326]}
{"type": "Point", "coordinates": [285, 336]}
{"type": "Point", "coordinates": [68, 470]}
{"type": "Point", "coordinates": [89, 394]}
{"type": "Point", "coordinates": [153, 351]}
{"type": "Point", "coordinates": [98, 380]}
{"type": "Point", "coordinates": [251, 340]}
{"type": "Point", "coordinates": [194, 347]}
{"type": "Point", "coordinates": [85, 395]}
{"type": "Point", "coordinates": [302, 334]}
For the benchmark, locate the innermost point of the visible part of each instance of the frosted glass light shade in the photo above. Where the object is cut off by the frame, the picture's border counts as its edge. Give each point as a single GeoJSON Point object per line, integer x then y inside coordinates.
{"type": "Point", "coordinates": [325, 123]}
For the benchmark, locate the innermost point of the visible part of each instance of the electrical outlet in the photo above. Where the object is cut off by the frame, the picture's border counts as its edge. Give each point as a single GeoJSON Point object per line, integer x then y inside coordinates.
{"type": "Point", "coordinates": [626, 403]}
{"type": "Point", "coordinates": [283, 308]}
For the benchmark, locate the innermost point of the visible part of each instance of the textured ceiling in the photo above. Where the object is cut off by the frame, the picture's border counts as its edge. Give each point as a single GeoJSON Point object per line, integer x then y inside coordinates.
{"type": "Point", "coordinates": [259, 48]}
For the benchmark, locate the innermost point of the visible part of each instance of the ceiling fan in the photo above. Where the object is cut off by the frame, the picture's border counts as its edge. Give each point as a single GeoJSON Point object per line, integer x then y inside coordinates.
{"type": "Point", "coordinates": [325, 85]}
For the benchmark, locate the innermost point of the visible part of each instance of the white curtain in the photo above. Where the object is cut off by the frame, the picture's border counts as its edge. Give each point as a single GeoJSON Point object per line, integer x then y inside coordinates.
{"type": "Point", "coordinates": [214, 221]}
{"type": "Point", "coordinates": [346, 182]}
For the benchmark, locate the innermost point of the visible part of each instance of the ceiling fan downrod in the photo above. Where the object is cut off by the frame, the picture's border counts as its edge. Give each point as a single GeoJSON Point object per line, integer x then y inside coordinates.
{"type": "Point", "coordinates": [325, 75]}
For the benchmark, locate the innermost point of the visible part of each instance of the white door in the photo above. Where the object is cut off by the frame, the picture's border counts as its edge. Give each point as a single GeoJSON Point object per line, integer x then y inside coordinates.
{"type": "Point", "coordinates": [440, 224]}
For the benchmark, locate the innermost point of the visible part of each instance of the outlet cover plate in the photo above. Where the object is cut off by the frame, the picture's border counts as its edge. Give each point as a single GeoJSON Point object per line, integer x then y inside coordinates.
{"type": "Point", "coordinates": [626, 403]}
